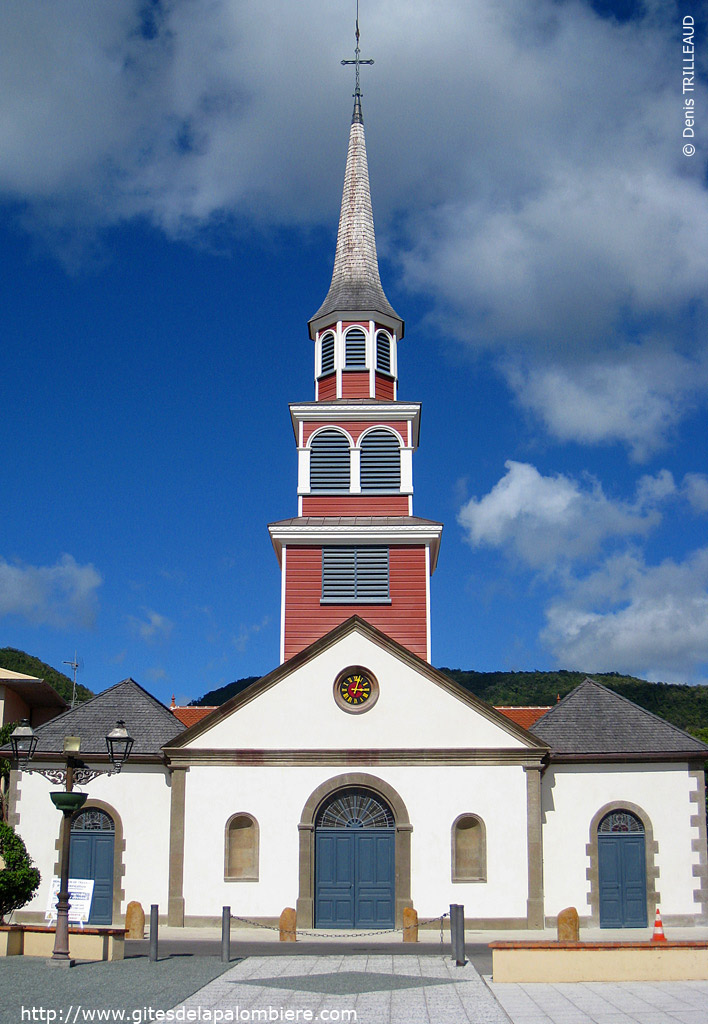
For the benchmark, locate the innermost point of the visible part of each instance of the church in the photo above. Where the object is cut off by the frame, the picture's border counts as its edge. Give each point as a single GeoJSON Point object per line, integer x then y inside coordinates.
{"type": "Point", "coordinates": [356, 780]}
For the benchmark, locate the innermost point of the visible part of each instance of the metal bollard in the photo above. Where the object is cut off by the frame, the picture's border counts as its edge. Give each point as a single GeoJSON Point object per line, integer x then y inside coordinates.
{"type": "Point", "coordinates": [225, 935]}
{"type": "Point", "coordinates": [457, 933]}
{"type": "Point", "coordinates": [153, 931]}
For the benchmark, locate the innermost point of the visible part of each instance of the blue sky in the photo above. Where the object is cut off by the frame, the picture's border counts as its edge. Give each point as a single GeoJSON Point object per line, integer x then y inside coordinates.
{"type": "Point", "coordinates": [170, 184]}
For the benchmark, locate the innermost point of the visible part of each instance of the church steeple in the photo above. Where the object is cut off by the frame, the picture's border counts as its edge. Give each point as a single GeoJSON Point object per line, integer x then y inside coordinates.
{"type": "Point", "coordinates": [356, 293]}
{"type": "Point", "coordinates": [355, 547]}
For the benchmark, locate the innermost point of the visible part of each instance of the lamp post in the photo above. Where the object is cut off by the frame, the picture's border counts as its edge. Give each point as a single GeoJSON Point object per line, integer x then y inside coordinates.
{"type": "Point", "coordinates": [24, 744]}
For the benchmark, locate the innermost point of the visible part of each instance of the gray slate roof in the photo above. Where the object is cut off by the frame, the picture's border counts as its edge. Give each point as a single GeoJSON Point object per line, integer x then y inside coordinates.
{"type": "Point", "coordinates": [356, 286]}
{"type": "Point", "coordinates": [595, 720]}
{"type": "Point", "coordinates": [148, 721]}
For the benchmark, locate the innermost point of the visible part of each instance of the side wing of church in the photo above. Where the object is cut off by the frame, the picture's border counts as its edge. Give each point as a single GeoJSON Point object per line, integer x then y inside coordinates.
{"type": "Point", "coordinates": [356, 780]}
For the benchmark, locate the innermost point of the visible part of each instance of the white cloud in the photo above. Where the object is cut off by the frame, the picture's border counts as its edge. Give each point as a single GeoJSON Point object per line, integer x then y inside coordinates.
{"type": "Point", "coordinates": [631, 617]}
{"type": "Point", "coordinates": [152, 627]}
{"type": "Point", "coordinates": [245, 633]}
{"type": "Point", "coordinates": [553, 521]}
{"type": "Point", "coordinates": [695, 489]}
{"type": "Point", "coordinates": [636, 396]}
{"type": "Point", "coordinates": [63, 595]}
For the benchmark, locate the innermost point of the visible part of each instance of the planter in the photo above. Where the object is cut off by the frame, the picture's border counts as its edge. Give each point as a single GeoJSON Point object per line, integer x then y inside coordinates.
{"type": "Point", "coordinates": [68, 802]}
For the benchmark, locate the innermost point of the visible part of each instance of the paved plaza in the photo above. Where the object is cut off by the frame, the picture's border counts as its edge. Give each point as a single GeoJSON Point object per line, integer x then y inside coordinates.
{"type": "Point", "coordinates": [371, 981]}
{"type": "Point", "coordinates": [390, 989]}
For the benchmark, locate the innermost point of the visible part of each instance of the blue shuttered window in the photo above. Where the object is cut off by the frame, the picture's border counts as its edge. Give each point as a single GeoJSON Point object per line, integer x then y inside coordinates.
{"type": "Point", "coordinates": [380, 461]}
{"type": "Point", "coordinates": [383, 352]}
{"type": "Point", "coordinates": [327, 357]}
{"type": "Point", "coordinates": [329, 462]}
{"type": "Point", "coordinates": [355, 348]}
{"type": "Point", "coordinates": [351, 574]}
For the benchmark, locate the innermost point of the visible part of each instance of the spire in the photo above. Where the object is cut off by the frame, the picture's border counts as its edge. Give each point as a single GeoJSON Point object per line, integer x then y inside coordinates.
{"type": "Point", "coordinates": [356, 292]}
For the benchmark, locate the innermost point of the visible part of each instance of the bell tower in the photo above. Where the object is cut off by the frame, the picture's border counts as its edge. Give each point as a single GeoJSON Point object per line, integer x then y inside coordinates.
{"type": "Point", "coordinates": [355, 547]}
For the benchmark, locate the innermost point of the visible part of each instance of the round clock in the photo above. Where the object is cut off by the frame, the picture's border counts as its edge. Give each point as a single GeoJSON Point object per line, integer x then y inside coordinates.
{"type": "Point", "coordinates": [356, 689]}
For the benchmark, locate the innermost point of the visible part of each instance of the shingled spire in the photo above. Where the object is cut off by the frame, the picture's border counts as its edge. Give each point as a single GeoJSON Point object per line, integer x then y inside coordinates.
{"type": "Point", "coordinates": [356, 292]}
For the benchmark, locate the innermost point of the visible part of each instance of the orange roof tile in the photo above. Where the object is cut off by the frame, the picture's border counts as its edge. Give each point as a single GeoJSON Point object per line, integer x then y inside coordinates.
{"type": "Point", "coordinates": [525, 716]}
{"type": "Point", "coordinates": [191, 715]}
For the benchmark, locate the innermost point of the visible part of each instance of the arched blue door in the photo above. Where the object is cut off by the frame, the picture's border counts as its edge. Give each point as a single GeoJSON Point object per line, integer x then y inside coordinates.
{"type": "Point", "coordinates": [355, 862]}
{"type": "Point", "coordinates": [622, 871]}
{"type": "Point", "coordinates": [91, 856]}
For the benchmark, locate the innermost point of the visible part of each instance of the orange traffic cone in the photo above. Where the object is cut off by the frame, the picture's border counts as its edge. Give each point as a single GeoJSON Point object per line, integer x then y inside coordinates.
{"type": "Point", "coordinates": [658, 935]}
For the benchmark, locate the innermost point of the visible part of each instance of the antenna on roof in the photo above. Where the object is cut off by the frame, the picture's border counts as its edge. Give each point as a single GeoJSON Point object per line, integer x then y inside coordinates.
{"type": "Point", "coordinates": [77, 663]}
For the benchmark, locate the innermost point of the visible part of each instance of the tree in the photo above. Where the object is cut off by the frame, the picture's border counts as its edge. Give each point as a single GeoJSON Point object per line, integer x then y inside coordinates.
{"type": "Point", "coordinates": [19, 878]}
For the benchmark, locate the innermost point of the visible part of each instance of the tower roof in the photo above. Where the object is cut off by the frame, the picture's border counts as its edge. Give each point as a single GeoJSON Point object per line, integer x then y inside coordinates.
{"type": "Point", "coordinates": [356, 292]}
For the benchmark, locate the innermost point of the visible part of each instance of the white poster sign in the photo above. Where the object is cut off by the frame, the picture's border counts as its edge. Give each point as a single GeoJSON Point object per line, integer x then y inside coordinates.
{"type": "Point", "coordinates": [80, 896]}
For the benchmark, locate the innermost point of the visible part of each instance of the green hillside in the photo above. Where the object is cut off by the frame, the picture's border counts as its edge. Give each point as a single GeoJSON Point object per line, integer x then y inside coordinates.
{"type": "Point", "coordinates": [684, 706]}
{"type": "Point", "coordinates": [18, 661]}
{"type": "Point", "coordinates": [216, 697]}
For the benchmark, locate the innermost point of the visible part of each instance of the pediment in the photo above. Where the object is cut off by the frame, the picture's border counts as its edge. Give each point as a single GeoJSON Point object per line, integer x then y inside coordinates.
{"type": "Point", "coordinates": [417, 708]}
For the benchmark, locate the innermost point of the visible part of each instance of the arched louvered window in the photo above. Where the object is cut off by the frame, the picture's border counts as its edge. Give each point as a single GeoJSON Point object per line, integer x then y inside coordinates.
{"type": "Point", "coordinates": [355, 574]}
{"type": "Point", "coordinates": [241, 848]}
{"type": "Point", "coordinates": [355, 349]}
{"type": "Point", "coordinates": [469, 849]}
{"type": "Point", "coordinates": [329, 462]}
{"type": "Point", "coordinates": [383, 352]}
{"type": "Point", "coordinates": [327, 354]}
{"type": "Point", "coordinates": [380, 461]}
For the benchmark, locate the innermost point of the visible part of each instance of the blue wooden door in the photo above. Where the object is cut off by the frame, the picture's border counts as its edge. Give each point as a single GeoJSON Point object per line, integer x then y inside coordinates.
{"type": "Point", "coordinates": [623, 893]}
{"type": "Point", "coordinates": [91, 856]}
{"type": "Point", "coordinates": [354, 878]}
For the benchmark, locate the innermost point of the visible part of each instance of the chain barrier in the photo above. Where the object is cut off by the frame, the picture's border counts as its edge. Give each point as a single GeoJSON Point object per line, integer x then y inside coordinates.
{"type": "Point", "coordinates": [338, 934]}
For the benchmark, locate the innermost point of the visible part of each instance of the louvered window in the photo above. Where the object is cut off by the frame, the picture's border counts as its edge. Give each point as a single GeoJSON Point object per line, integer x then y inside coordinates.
{"type": "Point", "coordinates": [355, 574]}
{"type": "Point", "coordinates": [355, 345]}
{"type": "Point", "coordinates": [383, 352]}
{"type": "Point", "coordinates": [327, 357]}
{"type": "Point", "coordinates": [380, 461]}
{"type": "Point", "coordinates": [329, 462]}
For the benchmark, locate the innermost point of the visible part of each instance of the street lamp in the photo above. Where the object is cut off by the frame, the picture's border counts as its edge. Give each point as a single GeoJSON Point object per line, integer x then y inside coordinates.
{"type": "Point", "coordinates": [24, 744]}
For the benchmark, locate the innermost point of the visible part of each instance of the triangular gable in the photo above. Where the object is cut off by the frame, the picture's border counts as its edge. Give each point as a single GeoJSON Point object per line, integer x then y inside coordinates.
{"type": "Point", "coordinates": [293, 707]}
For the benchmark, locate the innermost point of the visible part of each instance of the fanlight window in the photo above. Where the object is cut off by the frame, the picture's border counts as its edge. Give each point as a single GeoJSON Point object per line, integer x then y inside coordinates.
{"type": "Point", "coordinates": [241, 853]}
{"type": "Point", "coordinates": [355, 349]}
{"type": "Point", "coordinates": [355, 808]}
{"type": "Point", "coordinates": [469, 849]}
{"type": "Point", "coordinates": [380, 461]}
{"type": "Point", "coordinates": [620, 821]}
{"type": "Point", "coordinates": [383, 352]}
{"type": "Point", "coordinates": [327, 356]}
{"type": "Point", "coordinates": [329, 462]}
{"type": "Point", "coordinates": [93, 820]}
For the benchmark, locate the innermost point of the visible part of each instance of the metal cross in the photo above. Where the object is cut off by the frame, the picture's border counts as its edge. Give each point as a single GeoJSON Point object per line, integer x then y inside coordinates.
{"type": "Point", "coordinates": [357, 62]}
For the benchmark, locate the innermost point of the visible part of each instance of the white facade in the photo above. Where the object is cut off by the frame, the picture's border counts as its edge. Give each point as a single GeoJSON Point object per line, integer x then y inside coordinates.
{"type": "Point", "coordinates": [428, 750]}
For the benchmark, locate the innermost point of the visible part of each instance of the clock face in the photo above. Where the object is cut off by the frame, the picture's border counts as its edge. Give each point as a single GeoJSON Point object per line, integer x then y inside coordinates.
{"type": "Point", "coordinates": [356, 689]}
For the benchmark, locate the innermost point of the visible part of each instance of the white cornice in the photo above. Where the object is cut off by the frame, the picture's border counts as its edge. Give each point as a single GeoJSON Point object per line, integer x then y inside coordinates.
{"type": "Point", "coordinates": [379, 412]}
{"type": "Point", "coordinates": [314, 535]}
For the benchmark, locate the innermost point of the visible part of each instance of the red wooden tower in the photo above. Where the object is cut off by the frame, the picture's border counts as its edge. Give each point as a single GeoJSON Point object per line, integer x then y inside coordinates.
{"type": "Point", "coordinates": [355, 546]}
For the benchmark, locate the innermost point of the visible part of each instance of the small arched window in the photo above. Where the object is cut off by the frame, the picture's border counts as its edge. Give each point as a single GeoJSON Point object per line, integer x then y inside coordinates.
{"type": "Point", "coordinates": [329, 462]}
{"type": "Point", "coordinates": [383, 352]}
{"type": "Point", "coordinates": [469, 849]}
{"type": "Point", "coordinates": [241, 849]}
{"type": "Point", "coordinates": [380, 461]}
{"type": "Point", "coordinates": [327, 354]}
{"type": "Point", "coordinates": [355, 349]}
